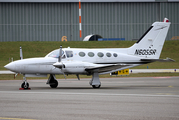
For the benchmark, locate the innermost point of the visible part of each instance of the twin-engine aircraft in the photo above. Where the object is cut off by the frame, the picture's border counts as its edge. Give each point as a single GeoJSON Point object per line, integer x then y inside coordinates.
{"type": "Point", "coordinates": [94, 61]}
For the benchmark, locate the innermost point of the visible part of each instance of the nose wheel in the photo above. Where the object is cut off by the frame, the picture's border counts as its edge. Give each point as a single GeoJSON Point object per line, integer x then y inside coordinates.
{"type": "Point", "coordinates": [24, 85]}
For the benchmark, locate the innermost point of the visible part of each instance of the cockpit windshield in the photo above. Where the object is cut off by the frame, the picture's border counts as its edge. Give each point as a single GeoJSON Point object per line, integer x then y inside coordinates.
{"type": "Point", "coordinates": [55, 53]}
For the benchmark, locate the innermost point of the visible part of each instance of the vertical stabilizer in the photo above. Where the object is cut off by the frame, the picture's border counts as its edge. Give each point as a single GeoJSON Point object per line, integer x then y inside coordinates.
{"type": "Point", "coordinates": [151, 43]}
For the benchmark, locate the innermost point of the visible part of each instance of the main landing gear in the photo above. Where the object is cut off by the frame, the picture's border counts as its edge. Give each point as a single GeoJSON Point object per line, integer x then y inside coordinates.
{"type": "Point", "coordinates": [95, 82]}
{"type": "Point", "coordinates": [52, 81]}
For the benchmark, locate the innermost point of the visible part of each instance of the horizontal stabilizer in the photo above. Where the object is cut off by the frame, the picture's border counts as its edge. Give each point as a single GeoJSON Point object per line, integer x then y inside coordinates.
{"type": "Point", "coordinates": [160, 60]}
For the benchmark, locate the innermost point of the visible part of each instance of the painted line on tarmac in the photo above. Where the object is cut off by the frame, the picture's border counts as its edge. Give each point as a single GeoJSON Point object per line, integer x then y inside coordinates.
{"type": "Point", "coordinates": [161, 77]}
{"type": "Point", "coordinates": [95, 94]}
{"type": "Point", "coordinates": [7, 118]}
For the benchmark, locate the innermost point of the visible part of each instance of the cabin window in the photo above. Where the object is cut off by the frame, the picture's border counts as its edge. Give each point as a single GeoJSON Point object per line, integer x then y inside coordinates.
{"type": "Point", "coordinates": [100, 54]}
{"type": "Point", "coordinates": [69, 54]}
{"type": "Point", "coordinates": [91, 54]}
{"type": "Point", "coordinates": [108, 54]}
{"type": "Point", "coordinates": [115, 55]}
{"type": "Point", "coordinates": [82, 54]}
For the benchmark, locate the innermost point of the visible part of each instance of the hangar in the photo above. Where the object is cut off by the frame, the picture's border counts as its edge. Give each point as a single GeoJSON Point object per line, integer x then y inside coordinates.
{"type": "Point", "coordinates": [58, 20]}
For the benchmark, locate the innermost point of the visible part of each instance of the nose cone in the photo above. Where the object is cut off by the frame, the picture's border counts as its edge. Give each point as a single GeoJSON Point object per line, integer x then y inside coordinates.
{"type": "Point", "coordinates": [10, 66]}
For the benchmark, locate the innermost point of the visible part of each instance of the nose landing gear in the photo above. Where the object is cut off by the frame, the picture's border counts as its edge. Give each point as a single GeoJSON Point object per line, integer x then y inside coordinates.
{"type": "Point", "coordinates": [24, 85]}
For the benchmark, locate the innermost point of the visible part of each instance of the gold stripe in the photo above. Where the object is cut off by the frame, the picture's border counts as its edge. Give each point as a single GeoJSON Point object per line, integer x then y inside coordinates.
{"type": "Point", "coordinates": [5, 118]}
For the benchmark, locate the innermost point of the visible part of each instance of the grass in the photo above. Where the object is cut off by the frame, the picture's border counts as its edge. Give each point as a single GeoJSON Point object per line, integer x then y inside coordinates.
{"type": "Point", "coordinates": [40, 49]}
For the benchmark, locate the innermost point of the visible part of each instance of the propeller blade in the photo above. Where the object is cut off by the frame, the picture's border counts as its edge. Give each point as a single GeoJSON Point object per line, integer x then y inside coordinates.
{"type": "Point", "coordinates": [60, 54]}
{"type": "Point", "coordinates": [59, 64]}
{"type": "Point", "coordinates": [63, 74]}
{"type": "Point", "coordinates": [21, 56]}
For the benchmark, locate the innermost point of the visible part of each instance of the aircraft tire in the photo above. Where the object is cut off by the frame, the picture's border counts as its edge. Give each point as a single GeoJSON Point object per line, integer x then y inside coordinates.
{"type": "Point", "coordinates": [54, 84]}
{"type": "Point", "coordinates": [25, 86]}
{"type": "Point", "coordinates": [96, 86]}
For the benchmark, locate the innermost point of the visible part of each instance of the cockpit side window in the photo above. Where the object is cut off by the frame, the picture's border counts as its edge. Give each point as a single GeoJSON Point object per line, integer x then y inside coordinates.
{"type": "Point", "coordinates": [55, 54]}
{"type": "Point", "coordinates": [69, 54]}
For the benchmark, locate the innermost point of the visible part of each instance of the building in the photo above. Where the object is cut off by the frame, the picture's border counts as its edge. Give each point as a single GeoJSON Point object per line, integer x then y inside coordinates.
{"type": "Point", "coordinates": [56, 20]}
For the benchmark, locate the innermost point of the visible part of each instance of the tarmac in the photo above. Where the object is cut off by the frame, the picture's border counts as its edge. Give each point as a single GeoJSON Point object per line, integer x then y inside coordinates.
{"type": "Point", "coordinates": [140, 98]}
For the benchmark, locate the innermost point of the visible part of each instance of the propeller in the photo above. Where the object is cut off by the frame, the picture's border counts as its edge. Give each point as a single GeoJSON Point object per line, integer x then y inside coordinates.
{"type": "Point", "coordinates": [60, 54]}
{"type": "Point", "coordinates": [59, 63]}
{"type": "Point", "coordinates": [21, 55]}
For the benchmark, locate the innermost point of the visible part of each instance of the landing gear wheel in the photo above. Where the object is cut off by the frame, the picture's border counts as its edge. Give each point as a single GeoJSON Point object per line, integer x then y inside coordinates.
{"type": "Point", "coordinates": [54, 84]}
{"type": "Point", "coordinates": [25, 86]}
{"type": "Point", "coordinates": [96, 86]}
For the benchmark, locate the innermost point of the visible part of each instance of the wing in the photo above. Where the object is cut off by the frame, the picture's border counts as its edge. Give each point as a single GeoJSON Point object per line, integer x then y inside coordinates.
{"type": "Point", "coordinates": [106, 68]}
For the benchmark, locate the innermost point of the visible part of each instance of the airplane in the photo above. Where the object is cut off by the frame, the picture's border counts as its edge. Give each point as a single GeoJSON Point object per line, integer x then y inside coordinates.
{"type": "Point", "coordinates": [94, 61]}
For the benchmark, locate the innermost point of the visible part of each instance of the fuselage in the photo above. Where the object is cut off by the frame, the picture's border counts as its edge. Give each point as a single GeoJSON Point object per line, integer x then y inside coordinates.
{"type": "Point", "coordinates": [75, 61]}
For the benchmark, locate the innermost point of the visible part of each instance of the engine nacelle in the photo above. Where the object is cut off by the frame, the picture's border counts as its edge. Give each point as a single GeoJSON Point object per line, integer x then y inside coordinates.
{"type": "Point", "coordinates": [75, 67]}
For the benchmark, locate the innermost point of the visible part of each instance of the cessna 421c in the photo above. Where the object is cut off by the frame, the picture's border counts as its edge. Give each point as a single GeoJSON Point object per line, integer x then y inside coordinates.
{"type": "Point", "coordinates": [94, 61]}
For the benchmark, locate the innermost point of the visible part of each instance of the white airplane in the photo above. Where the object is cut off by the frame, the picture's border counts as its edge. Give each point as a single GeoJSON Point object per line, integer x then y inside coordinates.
{"type": "Point", "coordinates": [94, 61]}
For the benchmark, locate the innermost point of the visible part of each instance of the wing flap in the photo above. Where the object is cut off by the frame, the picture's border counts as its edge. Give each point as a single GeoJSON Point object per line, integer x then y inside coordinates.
{"type": "Point", "coordinates": [105, 68]}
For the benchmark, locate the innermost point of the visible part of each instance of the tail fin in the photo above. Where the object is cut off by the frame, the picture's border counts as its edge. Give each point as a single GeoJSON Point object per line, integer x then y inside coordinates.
{"type": "Point", "coordinates": [151, 43]}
